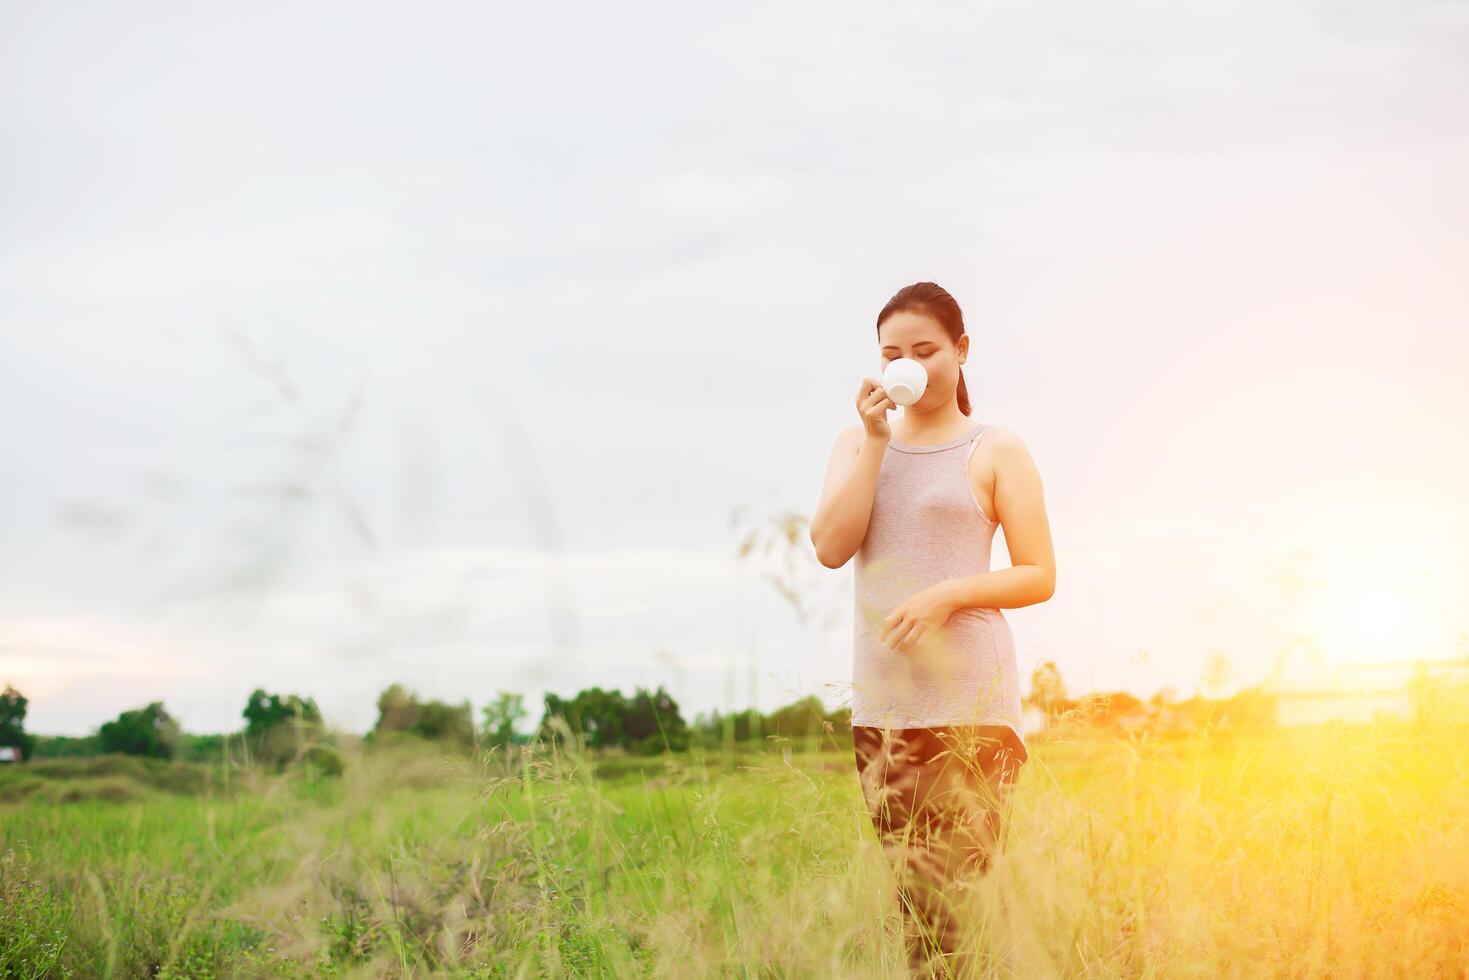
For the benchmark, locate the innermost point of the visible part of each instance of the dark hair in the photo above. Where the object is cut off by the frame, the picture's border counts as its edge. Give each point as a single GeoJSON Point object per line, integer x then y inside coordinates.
{"type": "Point", "coordinates": [932, 300]}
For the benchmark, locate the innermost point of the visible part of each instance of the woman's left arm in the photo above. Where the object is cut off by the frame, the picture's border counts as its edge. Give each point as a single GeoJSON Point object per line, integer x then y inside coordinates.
{"type": "Point", "coordinates": [1020, 508]}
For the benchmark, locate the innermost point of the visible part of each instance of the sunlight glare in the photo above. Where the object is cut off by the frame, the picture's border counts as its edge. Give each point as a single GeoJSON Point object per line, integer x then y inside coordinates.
{"type": "Point", "coordinates": [1367, 614]}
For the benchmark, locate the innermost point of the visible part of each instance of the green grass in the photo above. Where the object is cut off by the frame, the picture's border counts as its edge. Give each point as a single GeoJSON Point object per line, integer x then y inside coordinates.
{"type": "Point", "coordinates": [1328, 852]}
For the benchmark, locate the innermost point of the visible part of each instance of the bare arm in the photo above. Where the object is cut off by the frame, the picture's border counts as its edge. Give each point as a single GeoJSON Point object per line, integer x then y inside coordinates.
{"type": "Point", "coordinates": [840, 523]}
{"type": "Point", "coordinates": [1021, 509]}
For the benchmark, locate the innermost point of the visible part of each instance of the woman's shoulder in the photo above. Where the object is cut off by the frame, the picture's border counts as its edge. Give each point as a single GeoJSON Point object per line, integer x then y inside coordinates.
{"type": "Point", "coordinates": [844, 449]}
{"type": "Point", "coordinates": [997, 436]}
{"type": "Point", "coordinates": [1002, 449]}
{"type": "Point", "coordinates": [997, 447]}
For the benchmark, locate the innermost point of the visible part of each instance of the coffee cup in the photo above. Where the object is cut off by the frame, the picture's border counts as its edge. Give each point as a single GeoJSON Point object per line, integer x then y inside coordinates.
{"type": "Point", "coordinates": [904, 380]}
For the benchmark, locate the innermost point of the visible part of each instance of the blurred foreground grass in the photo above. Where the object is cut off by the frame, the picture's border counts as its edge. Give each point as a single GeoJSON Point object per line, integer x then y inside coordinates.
{"type": "Point", "coordinates": [1334, 851]}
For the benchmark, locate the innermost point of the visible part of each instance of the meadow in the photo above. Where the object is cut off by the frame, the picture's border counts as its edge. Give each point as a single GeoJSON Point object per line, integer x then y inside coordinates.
{"type": "Point", "coordinates": [1328, 851]}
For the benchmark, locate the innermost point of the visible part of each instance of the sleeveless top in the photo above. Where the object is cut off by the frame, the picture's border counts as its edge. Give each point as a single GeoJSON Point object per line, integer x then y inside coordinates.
{"type": "Point", "coordinates": [927, 526]}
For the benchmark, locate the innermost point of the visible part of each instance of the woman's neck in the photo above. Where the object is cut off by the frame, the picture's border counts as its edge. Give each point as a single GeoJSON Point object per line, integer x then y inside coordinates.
{"type": "Point", "coordinates": [925, 428]}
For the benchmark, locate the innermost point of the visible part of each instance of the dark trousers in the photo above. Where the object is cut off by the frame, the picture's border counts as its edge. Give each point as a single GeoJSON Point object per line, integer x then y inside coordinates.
{"type": "Point", "coordinates": [937, 798]}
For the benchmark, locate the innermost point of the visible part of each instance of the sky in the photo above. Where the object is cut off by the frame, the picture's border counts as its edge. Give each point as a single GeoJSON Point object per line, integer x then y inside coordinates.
{"type": "Point", "coordinates": [462, 346]}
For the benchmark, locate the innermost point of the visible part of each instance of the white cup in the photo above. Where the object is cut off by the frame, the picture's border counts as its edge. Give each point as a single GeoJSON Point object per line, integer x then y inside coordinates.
{"type": "Point", "coordinates": [904, 380]}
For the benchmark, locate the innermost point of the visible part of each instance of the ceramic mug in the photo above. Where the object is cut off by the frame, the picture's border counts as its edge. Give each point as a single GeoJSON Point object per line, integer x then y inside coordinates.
{"type": "Point", "coordinates": [904, 380]}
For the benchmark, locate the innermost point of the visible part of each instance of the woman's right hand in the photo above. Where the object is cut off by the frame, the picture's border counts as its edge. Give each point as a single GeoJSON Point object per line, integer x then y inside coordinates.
{"type": "Point", "coordinates": [873, 405]}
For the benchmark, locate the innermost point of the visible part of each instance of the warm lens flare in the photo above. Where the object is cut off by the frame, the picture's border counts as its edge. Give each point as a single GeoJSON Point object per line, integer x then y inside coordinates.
{"type": "Point", "coordinates": [1366, 614]}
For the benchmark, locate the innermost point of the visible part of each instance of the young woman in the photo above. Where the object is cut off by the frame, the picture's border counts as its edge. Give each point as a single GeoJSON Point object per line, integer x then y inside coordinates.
{"type": "Point", "coordinates": [935, 695]}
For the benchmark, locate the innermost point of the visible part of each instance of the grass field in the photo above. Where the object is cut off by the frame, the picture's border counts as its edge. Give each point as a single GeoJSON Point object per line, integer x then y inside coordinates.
{"type": "Point", "coordinates": [1330, 852]}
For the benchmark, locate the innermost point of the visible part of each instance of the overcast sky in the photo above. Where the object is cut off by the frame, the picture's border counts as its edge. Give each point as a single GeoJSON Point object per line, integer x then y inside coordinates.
{"type": "Point", "coordinates": [458, 346]}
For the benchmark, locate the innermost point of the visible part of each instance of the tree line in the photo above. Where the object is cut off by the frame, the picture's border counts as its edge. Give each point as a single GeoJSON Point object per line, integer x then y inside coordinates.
{"type": "Point", "coordinates": [280, 729]}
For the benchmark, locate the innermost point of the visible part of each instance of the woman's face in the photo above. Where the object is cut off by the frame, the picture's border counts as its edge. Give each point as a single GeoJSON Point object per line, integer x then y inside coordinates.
{"type": "Point", "coordinates": [919, 337]}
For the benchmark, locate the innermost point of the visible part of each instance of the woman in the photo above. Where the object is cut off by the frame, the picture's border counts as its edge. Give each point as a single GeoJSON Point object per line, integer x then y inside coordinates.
{"type": "Point", "coordinates": [935, 696]}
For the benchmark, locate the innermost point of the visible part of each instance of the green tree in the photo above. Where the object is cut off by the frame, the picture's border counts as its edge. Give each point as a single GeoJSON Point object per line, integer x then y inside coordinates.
{"type": "Point", "coordinates": [440, 721]}
{"type": "Point", "coordinates": [501, 717]}
{"type": "Point", "coordinates": [737, 726]}
{"type": "Point", "coordinates": [594, 713]}
{"type": "Point", "coordinates": [606, 718]}
{"type": "Point", "coordinates": [278, 729]}
{"type": "Point", "coordinates": [650, 718]}
{"type": "Point", "coordinates": [264, 711]}
{"type": "Point", "coordinates": [12, 723]}
{"type": "Point", "coordinates": [397, 709]}
{"type": "Point", "coordinates": [144, 731]}
{"type": "Point", "coordinates": [400, 710]}
{"type": "Point", "coordinates": [555, 706]}
{"type": "Point", "coordinates": [799, 718]}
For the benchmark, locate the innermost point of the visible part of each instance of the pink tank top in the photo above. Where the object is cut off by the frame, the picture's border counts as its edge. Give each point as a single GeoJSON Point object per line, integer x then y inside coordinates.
{"type": "Point", "coordinates": [927, 526]}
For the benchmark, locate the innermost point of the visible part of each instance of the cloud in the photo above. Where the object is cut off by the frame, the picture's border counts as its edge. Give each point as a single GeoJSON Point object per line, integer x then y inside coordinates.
{"type": "Point", "coordinates": [614, 267]}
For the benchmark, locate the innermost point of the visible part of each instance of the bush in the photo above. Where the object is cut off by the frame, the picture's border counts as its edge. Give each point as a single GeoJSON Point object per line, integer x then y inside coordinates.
{"type": "Point", "coordinates": [322, 761]}
{"type": "Point", "coordinates": [111, 776]}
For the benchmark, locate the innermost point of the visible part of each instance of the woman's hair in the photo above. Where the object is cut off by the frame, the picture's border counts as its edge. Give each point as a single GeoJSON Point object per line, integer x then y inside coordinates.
{"type": "Point", "coordinates": [933, 300]}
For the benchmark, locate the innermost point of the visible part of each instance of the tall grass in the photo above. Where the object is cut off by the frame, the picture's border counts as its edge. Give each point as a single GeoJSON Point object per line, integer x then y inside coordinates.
{"type": "Point", "coordinates": [1340, 852]}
